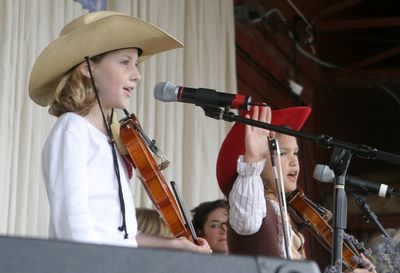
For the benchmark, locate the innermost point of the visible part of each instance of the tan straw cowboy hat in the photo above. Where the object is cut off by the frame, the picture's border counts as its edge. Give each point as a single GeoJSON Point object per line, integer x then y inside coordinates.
{"type": "Point", "coordinates": [90, 35]}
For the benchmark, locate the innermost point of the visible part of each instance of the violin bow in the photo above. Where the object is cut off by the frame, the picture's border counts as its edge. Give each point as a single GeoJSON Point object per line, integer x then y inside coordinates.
{"type": "Point", "coordinates": [181, 205]}
{"type": "Point", "coordinates": [280, 188]}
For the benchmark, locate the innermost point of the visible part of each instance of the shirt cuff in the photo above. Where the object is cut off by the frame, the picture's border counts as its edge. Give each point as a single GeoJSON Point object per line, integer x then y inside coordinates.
{"type": "Point", "coordinates": [249, 169]}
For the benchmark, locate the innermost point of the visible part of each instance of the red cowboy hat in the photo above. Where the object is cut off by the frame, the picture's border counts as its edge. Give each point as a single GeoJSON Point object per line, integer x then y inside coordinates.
{"type": "Point", "coordinates": [233, 145]}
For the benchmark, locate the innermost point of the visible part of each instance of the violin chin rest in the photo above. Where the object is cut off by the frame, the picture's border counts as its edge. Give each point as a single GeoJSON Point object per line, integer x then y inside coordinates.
{"type": "Point", "coordinates": [115, 130]}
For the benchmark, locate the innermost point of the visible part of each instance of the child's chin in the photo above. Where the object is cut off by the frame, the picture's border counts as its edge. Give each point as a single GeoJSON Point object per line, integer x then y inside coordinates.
{"type": "Point", "coordinates": [122, 105]}
{"type": "Point", "coordinates": [292, 185]}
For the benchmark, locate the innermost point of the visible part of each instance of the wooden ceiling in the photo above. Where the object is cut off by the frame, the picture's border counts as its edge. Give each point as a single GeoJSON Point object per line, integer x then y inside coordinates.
{"type": "Point", "coordinates": [350, 76]}
{"type": "Point", "coordinates": [353, 81]}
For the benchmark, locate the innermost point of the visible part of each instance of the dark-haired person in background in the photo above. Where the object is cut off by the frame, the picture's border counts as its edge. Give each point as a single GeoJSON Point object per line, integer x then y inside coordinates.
{"type": "Point", "coordinates": [210, 222]}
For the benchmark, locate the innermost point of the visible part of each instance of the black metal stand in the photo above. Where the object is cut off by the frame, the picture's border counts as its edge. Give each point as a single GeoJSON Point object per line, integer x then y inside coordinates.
{"type": "Point", "coordinates": [339, 162]}
{"type": "Point", "coordinates": [369, 215]}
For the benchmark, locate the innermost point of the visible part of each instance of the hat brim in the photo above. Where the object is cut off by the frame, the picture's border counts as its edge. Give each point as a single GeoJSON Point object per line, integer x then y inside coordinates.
{"type": "Point", "coordinates": [113, 32]}
{"type": "Point", "coordinates": [234, 143]}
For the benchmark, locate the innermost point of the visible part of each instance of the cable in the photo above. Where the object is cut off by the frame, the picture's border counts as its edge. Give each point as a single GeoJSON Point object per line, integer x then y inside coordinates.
{"type": "Point", "coordinates": [308, 55]}
{"type": "Point", "coordinates": [299, 13]}
{"type": "Point", "coordinates": [389, 91]}
{"type": "Point", "coordinates": [309, 27]}
{"type": "Point", "coordinates": [291, 36]}
{"type": "Point", "coordinates": [315, 59]}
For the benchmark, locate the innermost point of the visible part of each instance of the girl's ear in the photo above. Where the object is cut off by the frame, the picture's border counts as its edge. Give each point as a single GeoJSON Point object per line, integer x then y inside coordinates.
{"type": "Point", "coordinates": [84, 69]}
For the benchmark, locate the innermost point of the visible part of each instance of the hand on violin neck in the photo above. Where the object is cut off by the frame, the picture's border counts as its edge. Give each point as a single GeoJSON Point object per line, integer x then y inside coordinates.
{"type": "Point", "coordinates": [182, 243]}
{"type": "Point", "coordinates": [368, 266]}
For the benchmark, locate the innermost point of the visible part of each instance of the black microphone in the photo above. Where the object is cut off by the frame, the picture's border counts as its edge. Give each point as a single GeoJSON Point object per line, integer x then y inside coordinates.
{"type": "Point", "coordinates": [325, 174]}
{"type": "Point", "coordinates": [167, 91]}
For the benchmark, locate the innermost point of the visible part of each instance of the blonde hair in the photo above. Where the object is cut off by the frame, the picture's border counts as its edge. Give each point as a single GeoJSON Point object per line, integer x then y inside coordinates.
{"type": "Point", "coordinates": [150, 222]}
{"type": "Point", "coordinates": [74, 92]}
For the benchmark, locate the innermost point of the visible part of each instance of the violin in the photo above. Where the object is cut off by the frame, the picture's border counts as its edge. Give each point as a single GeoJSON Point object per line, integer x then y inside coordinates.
{"type": "Point", "coordinates": [311, 216]}
{"type": "Point", "coordinates": [137, 146]}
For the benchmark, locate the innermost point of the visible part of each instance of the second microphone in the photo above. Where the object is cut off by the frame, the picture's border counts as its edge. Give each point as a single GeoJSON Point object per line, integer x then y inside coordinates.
{"type": "Point", "coordinates": [324, 174]}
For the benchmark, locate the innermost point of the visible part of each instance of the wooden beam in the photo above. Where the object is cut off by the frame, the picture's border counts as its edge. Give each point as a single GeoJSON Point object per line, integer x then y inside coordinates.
{"type": "Point", "coordinates": [333, 25]}
{"type": "Point", "coordinates": [269, 59]}
{"type": "Point", "coordinates": [336, 8]}
{"type": "Point", "coordinates": [361, 77]}
{"type": "Point", "coordinates": [371, 60]}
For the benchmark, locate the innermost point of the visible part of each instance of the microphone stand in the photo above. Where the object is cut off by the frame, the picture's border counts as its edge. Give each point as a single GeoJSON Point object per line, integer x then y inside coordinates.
{"type": "Point", "coordinates": [339, 162]}
{"type": "Point", "coordinates": [369, 215]}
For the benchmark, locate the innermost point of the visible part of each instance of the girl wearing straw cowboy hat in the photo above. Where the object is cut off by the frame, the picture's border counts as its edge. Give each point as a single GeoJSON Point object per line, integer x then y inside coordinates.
{"type": "Point", "coordinates": [245, 175]}
{"type": "Point", "coordinates": [87, 71]}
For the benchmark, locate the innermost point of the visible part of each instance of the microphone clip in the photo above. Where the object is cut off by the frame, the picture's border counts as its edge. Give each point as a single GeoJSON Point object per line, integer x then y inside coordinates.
{"type": "Point", "coordinates": [215, 112]}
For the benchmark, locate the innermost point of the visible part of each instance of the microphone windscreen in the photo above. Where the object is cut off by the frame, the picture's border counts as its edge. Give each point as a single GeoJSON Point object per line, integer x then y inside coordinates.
{"type": "Point", "coordinates": [323, 173]}
{"type": "Point", "coordinates": [166, 92]}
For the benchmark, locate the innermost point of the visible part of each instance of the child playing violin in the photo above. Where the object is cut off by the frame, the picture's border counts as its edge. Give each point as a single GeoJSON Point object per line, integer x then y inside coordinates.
{"type": "Point", "coordinates": [85, 73]}
{"type": "Point", "coordinates": [254, 215]}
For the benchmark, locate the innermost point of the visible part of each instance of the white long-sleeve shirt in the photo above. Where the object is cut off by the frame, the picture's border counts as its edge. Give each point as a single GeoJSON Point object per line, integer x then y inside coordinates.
{"type": "Point", "coordinates": [246, 199]}
{"type": "Point", "coordinates": [82, 187]}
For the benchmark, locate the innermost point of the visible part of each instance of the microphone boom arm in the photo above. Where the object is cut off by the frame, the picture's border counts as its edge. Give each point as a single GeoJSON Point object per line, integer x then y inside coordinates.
{"type": "Point", "coordinates": [323, 141]}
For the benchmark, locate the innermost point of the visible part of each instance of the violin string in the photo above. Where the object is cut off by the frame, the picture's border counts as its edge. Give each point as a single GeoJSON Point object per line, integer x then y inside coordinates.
{"type": "Point", "coordinates": [320, 229]}
{"type": "Point", "coordinates": [164, 162]}
{"type": "Point", "coordinates": [161, 195]}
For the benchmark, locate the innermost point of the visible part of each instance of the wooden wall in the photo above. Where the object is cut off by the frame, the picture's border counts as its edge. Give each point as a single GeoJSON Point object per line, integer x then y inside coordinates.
{"type": "Point", "coordinates": [345, 102]}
